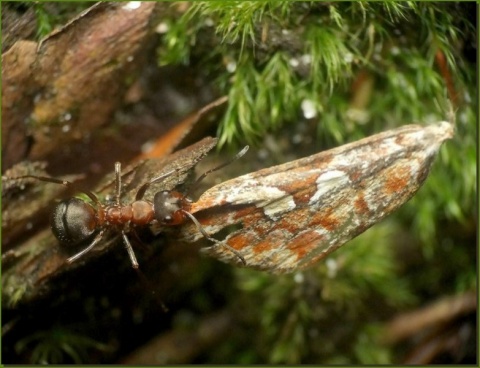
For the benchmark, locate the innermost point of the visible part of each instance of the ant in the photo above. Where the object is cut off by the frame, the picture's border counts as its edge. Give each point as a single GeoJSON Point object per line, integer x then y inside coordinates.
{"type": "Point", "coordinates": [75, 221]}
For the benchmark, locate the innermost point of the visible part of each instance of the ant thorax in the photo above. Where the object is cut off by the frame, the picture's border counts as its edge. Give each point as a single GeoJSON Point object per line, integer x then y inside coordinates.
{"type": "Point", "coordinates": [138, 213]}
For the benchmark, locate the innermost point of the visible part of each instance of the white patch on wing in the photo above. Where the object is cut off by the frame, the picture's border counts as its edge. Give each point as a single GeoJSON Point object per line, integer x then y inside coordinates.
{"type": "Point", "coordinates": [274, 209]}
{"type": "Point", "coordinates": [273, 200]}
{"type": "Point", "coordinates": [327, 182]}
{"type": "Point", "coordinates": [253, 192]}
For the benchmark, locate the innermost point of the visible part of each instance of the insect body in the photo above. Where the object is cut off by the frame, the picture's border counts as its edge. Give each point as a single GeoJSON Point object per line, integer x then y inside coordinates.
{"type": "Point", "coordinates": [75, 221]}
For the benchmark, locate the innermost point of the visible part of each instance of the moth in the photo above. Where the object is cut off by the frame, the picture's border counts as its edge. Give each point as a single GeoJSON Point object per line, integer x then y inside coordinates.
{"type": "Point", "coordinates": [290, 216]}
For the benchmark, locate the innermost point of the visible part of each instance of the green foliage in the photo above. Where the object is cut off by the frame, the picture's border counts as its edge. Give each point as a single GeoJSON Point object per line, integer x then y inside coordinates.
{"type": "Point", "coordinates": [56, 346]}
{"type": "Point", "coordinates": [368, 348]}
{"type": "Point", "coordinates": [252, 98]}
{"type": "Point", "coordinates": [319, 47]}
{"type": "Point", "coordinates": [52, 14]}
{"type": "Point", "coordinates": [177, 41]}
{"type": "Point", "coordinates": [44, 23]}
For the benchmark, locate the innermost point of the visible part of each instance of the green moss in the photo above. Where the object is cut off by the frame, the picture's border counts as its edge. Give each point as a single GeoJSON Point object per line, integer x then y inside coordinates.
{"type": "Point", "coordinates": [55, 14]}
{"type": "Point", "coordinates": [57, 345]}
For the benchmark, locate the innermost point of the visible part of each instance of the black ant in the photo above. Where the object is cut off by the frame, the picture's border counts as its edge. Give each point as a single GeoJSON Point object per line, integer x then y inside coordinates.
{"type": "Point", "coordinates": [75, 221]}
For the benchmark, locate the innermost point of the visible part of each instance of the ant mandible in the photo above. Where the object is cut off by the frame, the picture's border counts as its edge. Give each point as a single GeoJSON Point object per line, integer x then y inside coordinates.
{"type": "Point", "coordinates": [75, 221]}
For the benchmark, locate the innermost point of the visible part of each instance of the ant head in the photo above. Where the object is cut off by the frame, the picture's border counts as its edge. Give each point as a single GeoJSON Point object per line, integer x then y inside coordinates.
{"type": "Point", "coordinates": [73, 221]}
{"type": "Point", "coordinates": [169, 207]}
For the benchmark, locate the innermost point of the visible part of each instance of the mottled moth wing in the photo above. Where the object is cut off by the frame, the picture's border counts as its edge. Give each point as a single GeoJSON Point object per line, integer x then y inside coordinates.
{"type": "Point", "coordinates": [290, 216]}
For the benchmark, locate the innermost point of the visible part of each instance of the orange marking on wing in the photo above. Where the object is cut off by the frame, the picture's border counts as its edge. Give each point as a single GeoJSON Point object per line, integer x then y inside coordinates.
{"type": "Point", "coordinates": [243, 212]}
{"type": "Point", "coordinates": [325, 218]}
{"type": "Point", "coordinates": [397, 179]}
{"type": "Point", "coordinates": [240, 241]}
{"type": "Point", "coordinates": [304, 243]}
{"type": "Point", "coordinates": [360, 204]}
{"type": "Point", "coordinates": [262, 247]}
{"type": "Point", "coordinates": [292, 221]}
{"type": "Point", "coordinates": [299, 185]}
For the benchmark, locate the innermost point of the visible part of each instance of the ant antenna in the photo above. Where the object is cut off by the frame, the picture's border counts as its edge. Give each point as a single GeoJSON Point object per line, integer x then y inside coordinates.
{"type": "Point", "coordinates": [151, 288]}
{"type": "Point", "coordinates": [66, 183]}
{"type": "Point", "coordinates": [141, 191]}
{"type": "Point", "coordinates": [201, 177]}
{"type": "Point", "coordinates": [208, 237]}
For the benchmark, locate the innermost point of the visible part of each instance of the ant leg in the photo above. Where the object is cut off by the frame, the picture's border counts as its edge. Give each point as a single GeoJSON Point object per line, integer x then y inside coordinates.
{"type": "Point", "coordinates": [141, 191]}
{"type": "Point", "coordinates": [126, 171]}
{"type": "Point", "coordinates": [144, 280]}
{"type": "Point", "coordinates": [139, 241]}
{"type": "Point", "coordinates": [87, 249]}
{"type": "Point", "coordinates": [118, 182]}
{"type": "Point", "coordinates": [66, 183]}
{"type": "Point", "coordinates": [130, 251]}
{"type": "Point", "coordinates": [151, 288]}
{"type": "Point", "coordinates": [204, 233]}
{"type": "Point", "coordinates": [201, 177]}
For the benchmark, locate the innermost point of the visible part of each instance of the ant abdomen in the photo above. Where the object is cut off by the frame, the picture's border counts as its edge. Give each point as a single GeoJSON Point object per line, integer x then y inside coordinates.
{"type": "Point", "coordinates": [73, 222]}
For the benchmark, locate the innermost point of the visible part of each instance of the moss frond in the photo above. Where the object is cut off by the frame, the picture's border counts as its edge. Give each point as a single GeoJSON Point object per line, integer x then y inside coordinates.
{"type": "Point", "coordinates": [44, 21]}
{"type": "Point", "coordinates": [58, 345]}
